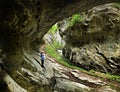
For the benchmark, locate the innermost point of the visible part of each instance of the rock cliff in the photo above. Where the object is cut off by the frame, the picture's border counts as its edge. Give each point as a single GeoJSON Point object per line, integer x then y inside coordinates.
{"type": "Point", "coordinates": [94, 42]}
{"type": "Point", "coordinates": [23, 23]}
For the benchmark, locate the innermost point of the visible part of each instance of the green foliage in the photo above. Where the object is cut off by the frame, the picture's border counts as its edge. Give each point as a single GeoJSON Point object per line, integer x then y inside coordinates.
{"type": "Point", "coordinates": [113, 77]}
{"type": "Point", "coordinates": [117, 5]}
{"type": "Point", "coordinates": [92, 71]}
{"type": "Point", "coordinates": [75, 18]}
{"type": "Point", "coordinates": [103, 75]}
{"type": "Point", "coordinates": [53, 29]}
{"type": "Point", "coordinates": [51, 50]}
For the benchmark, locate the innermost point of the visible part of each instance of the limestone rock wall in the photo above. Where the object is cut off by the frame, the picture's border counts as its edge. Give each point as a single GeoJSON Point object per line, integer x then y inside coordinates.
{"type": "Point", "coordinates": [95, 42]}
{"type": "Point", "coordinates": [23, 23]}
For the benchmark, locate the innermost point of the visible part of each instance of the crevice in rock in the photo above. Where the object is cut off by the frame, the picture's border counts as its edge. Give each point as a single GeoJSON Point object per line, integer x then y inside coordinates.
{"type": "Point", "coordinates": [53, 80]}
{"type": "Point", "coordinates": [107, 65]}
{"type": "Point", "coordinates": [84, 82]}
{"type": "Point", "coordinates": [101, 54]}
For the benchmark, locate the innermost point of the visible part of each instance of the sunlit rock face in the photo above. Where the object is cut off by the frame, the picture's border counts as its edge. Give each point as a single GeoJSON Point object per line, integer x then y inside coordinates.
{"type": "Point", "coordinates": [23, 23]}
{"type": "Point", "coordinates": [95, 42]}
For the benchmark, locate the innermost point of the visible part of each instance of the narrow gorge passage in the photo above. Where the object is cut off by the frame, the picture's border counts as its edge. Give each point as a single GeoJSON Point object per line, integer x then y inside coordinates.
{"type": "Point", "coordinates": [87, 82]}
{"type": "Point", "coordinates": [23, 23]}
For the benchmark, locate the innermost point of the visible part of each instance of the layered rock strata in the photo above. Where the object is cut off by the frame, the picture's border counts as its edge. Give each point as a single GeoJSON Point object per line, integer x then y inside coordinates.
{"type": "Point", "coordinates": [95, 42]}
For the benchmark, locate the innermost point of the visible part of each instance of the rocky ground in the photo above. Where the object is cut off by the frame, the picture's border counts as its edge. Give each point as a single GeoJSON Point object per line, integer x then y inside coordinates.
{"type": "Point", "coordinates": [72, 80]}
{"type": "Point", "coordinates": [62, 79]}
{"type": "Point", "coordinates": [8, 84]}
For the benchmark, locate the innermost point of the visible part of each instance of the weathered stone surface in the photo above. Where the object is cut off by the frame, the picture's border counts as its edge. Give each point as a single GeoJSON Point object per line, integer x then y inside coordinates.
{"type": "Point", "coordinates": [23, 23]}
{"type": "Point", "coordinates": [7, 84]}
{"type": "Point", "coordinates": [106, 89]}
{"type": "Point", "coordinates": [51, 37]}
{"type": "Point", "coordinates": [68, 86]}
{"type": "Point", "coordinates": [95, 41]}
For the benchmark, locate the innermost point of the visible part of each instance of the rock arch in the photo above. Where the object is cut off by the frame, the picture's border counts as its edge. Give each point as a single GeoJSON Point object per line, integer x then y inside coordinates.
{"type": "Point", "coordinates": [26, 21]}
{"type": "Point", "coordinates": [23, 23]}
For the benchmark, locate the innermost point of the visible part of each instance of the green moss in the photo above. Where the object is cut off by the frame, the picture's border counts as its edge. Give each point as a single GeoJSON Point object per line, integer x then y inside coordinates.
{"type": "Point", "coordinates": [51, 50]}
{"type": "Point", "coordinates": [116, 5]}
{"type": "Point", "coordinates": [103, 75]}
{"type": "Point", "coordinates": [75, 18]}
{"type": "Point", "coordinates": [53, 29]}
{"type": "Point", "coordinates": [113, 77]}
